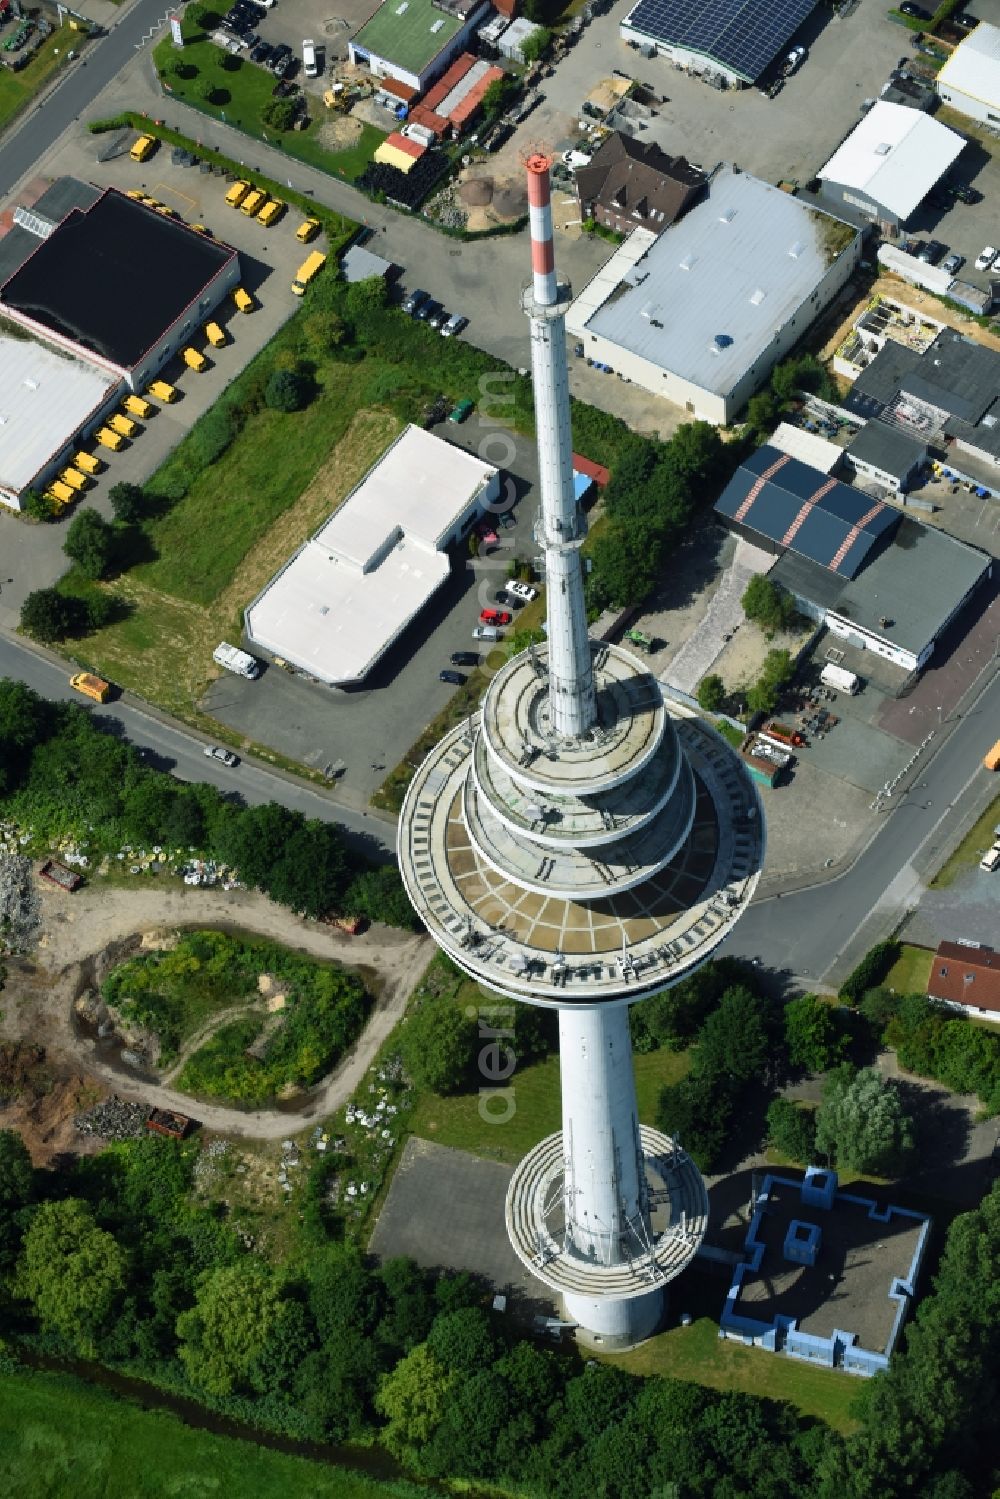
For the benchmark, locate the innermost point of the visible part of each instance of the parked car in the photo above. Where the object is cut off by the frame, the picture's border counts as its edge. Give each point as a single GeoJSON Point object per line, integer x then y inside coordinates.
{"type": "Point", "coordinates": [216, 752]}
{"type": "Point", "coordinates": [307, 230]}
{"type": "Point", "coordinates": [966, 21]}
{"type": "Point", "coordinates": [414, 300]}
{"type": "Point", "coordinates": [309, 64]}
{"type": "Point", "coordinates": [985, 258]}
{"type": "Point", "coordinates": [965, 194]}
{"type": "Point", "coordinates": [932, 251]}
{"type": "Point", "coordinates": [438, 318]}
{"type": "Point", "coordinates": [262, 52]}
{"type": "Point", "coordinates": [454, 325]}
{"type": "Point", "coordinates": [455, 678]}
{"type": "Point", "coordinates": [915, 12]}
{"type": "Point", "coordinates": [463, 410]}
{"type": "Point", "coordinates": [464, 658]}
{"type": "Point", "coordinates": [953, 264]}
{"type": "Point", "coordinates": [795, 59]}
{"type": "Point", "coordinates": [427, 310]}
{"type": "Point", "coordinates": [523, 591]}
{"type": "Point", "coordinates": [278, 56]}
{"type": "Point", "coordinates": [487, 632]}
{"type": "Point", "coordinates": [495, 616]}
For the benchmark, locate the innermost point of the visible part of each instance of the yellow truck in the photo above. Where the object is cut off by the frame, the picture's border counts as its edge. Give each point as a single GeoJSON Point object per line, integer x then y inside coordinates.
{"type": "Point", "coordinates": [992, 757]}
{"type": "Point", "coordinates": [236, 194]}
{"type": "Point", "coordinates": [143, 148]}
{"type": "Point", "coordinates": [61, 493]}
{"type": "Point", "coordinates": [136, 406]}
{"type": "Point", "coordinates": [243, 300]}
{"type": "Point", "coordinates": [162, 391]}
{"type": "Point", "coordinates": [123, 424]}
{"type": "Point", "coordinates": [307, 230]}
{"type": "Point", "coordinates": [73, 478]}
{"type": "Point", "coordinates": [88, 463]}
{"type": "Point", "coordinates": [271, 212]}
{"type": "Point", "coordinates": [215, 335]}
{"type": "Point", "coordinates": [253, 202]}
{"type": "Point", "coordinates": [91, 686]}
{"type": "Point", "coordinates": [307, 270]}
{"type": "Point", "coordinates": [195, 360]}
{"type": "Point", "coordinates": [108, 438]}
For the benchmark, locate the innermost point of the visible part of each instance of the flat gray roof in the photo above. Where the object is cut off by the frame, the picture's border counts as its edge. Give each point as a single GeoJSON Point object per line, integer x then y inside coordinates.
{"type": "Point", "coordinates": [707, 297]}
{"type": "Point", "coordinates": [45, 397]}
{"type": "Point", "coordinates": [886, 447]}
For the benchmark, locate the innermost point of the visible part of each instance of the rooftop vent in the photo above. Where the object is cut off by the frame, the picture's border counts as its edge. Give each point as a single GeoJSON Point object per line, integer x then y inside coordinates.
{"type": "Point", "coordinates": [728, 216]}
{"type": "Point", "coordinates": [883, 148]}
{"type": "Point", "coordinates": [649, 311]}
{"type": "Point", "coordinates": [756, 297]}
{"type": "Point", "coordinates": [989, 420]}
{"type": "Point", "coordinates": [687, 262]}
{"type": "Point", "coordinates": [31, 384]}
{"type": "Point", "coordinates": [719, 342]}
{"type": "Point", "coordinates": [796, 249]}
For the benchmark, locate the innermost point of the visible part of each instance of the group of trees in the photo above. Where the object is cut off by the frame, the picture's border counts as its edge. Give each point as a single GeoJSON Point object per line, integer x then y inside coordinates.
{"type": "Point", "coordinates": [767, 604]}
{"type": "Point", "coordinates": [113, 1257]}
{"type": "Point", "coordinates": [62, 776]}
{"type": "Point", "coordinates": [800, 372]}
{"type": "Point", "coordinates": [653, 494]}
{"type": "Point", "coordinates": [775, 675]}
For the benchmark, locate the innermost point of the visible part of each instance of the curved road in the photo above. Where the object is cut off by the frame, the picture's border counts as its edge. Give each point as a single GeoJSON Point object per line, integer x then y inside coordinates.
{"type": "Point", "coordinates": [102, 60]}
{"type": "Point", "coordinates": [806, 932]}
{"type": "Point", "coordinates": [184, 754]}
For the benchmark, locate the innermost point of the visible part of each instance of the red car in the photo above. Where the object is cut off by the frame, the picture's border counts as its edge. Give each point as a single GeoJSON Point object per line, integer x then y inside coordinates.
{"type": "Point", "coordinates": [494, 617]}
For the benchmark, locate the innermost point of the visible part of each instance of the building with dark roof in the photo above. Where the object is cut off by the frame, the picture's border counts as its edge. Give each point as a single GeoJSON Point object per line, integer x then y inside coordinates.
{"type": "Point", "coordinates": [120, 285]}
{"type": "Point", "coordinates": [949, 395]}
{"type": "Point", "coordinates": [734, 40]}
{"type": "Point", "coordinates": [878, 579]}
{"type": "Point", "coordinates": [887, 454]}
{"type": "Point", "coordinates": [631, 184]}
{"type": "Point", "coordinates": [966, 976]}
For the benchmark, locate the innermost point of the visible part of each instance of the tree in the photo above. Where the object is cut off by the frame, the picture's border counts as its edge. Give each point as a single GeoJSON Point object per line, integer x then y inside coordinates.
{"type": "Point", "coordinates": [323, 331]}
{"type": "Point", "coordinates": [792, 1130]}
{"type": "Point", "coordinates": [437, 1044]}
{"type": "Point", "coordinates": [697, 454]}
{"type": "Point", "coordinates": [224, 1335]}
{"type": "Point", "coordinates": [498, 96]}
{"type": "Point", "coordinates": [35, 504]}
{"type": "Point", "coordinates": [413, 1399]}
{"type": "Point", "coordinates": [776, 673]}
{"type": "Point", "coordinates": [378, 894]}
{"type": "Point", "coordinates": [288, 390]}
{"type": "Point", "coordinates": [862, 1124]}
{"type": "Point", "coordinates": [711, 693]}
{"type": "Point", "coordinates": [48, 615]}
{"type": "Point", "coordinates": [366, 297]}
{"type": "Point", "coordinates": [762, 412]}
{"type": "Point", "coordinates": [812, 1036]}
{"type": "Point", "coordinates": [127, 503]}
{"type": "Point", "coordinates": [71, 1272]}
{"type": "Point", "coordinates": [16, 1192]}
{"type": "Point", "coordinates": [279, 114]}
{"type": "Point", "coordinates": [537, 44]}
{"type": "Point", "coordinates": [90, 543]}
{"type": "Point", "coordinates": [733, 1042]}
{"type": "Point", "coordinates": [25, 719]}
{"type": "Point", "coordinates": [767, 604]}
{"type": "Point", "coordinates": [462, 1341]}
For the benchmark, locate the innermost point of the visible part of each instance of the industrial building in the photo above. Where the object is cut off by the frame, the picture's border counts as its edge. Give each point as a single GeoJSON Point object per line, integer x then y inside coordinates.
{"type": "Point", "coordinates": [879, 580]}
{"type": "Point", "coordinates": [734, 41]}
{"type": "Point", "coordinates": [966, 976]}
{"type": "Point", "coordinates": [888, 164]}
{"type": "Point", "coordinates": [946, 395]}
{"type": "Point", "coordinates": [703, 312]}
{"type": "Point", "coordinates": [970, 79]}
{"type": "Point", "coordinates": [576, 845]}
{"type": "Point", "coordinates": [887, 455]}
{"type": "Point", "coordinates": [413, 41]}
{"type": "Point", "coordinates": [47, 397]}
{"type": "Point", "coordinates": [345, 596]}
{"type": "Point", "coordinates": [119, 286]}
{"type": "Point", "coordinates": [631, 184]}
{"type": "Point", "coordinates": [828, 1276]}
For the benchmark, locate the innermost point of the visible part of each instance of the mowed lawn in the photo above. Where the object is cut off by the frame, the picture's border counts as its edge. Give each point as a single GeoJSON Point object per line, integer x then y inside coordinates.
{"type": "Point", "coordinates": [59, 1436]}
{"type": "Point", "coordinates": [971, 849]}
{"type": "Point", "coordinates": [17, 88]}
{"type": "Point", "coordinates": [911, 970]}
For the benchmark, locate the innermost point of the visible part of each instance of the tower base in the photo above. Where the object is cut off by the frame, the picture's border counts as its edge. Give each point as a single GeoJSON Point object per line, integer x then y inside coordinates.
{"type": "Point", "coordinates": [616, 1322]}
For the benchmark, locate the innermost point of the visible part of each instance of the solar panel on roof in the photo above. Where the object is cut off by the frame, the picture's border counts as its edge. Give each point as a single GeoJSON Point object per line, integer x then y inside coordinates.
{"type": "Point", "coordinates": [742, 35]}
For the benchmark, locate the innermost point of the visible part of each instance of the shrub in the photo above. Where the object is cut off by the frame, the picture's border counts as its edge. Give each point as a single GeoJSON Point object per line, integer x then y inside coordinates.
{"type": "Point", "coordinates": [711, 693]}
{"type": "Point", "coordinates": [37, 506]}
{"type": "Point", "coordinates": [437, 1045]}
{"type": "Point", "coordinates": [792, 1130]}
{"type": "Point", "coordinates": [767, 604]}
{"type": "Point", "coordinates": [127, 503]}
{"type": "Point", "coordinates": [279, 114]}
{"type": "Point", "coordinates": [90, 543]}
{"type": "Point", "coordinates": [288, 390]}
{"type": "Point", "coordinates": [49, 616]}
{"type": "Point", "coordinates": [870, 971]}
{"type": "Point", "coordinates": [212, 435]}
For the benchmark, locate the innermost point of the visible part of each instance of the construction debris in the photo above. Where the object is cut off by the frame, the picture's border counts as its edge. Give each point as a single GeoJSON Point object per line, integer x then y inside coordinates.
{"type": "Point", "coordinates": [114, 1119]}
{"type": "Point", "coordinates": [20, 915]}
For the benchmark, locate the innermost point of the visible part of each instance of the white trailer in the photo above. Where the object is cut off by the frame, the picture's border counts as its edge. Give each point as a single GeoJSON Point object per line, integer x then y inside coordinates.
{"type": "Point", "coordinates": [239, 662]}
{"type": "Point", "coordinates": [838, 677]}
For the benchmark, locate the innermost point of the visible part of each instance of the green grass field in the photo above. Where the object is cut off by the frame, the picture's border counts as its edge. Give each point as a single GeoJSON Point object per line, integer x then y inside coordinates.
{"type": "Point", "coordinates": [698, 1353]}
{"type": "Point", "coordinates": [241, 91]}
{"type": "Point", "coordinates": [17, 88]}
{"type": "Point", "coordinates": [59, 1436]}
{"type": "Point", "coordinates": [971, 849]}
{"type": "Point", "coordinates": [911, 970]}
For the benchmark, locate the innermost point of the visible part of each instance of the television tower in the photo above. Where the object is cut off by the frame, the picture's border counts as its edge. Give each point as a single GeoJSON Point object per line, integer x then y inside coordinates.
{"type": "Point", "coordinates": [575, 846]}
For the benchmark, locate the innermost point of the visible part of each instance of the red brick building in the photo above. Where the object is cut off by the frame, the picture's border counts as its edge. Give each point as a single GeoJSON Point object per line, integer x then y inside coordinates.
{"type": "Point", "coordinates": [629, 185]}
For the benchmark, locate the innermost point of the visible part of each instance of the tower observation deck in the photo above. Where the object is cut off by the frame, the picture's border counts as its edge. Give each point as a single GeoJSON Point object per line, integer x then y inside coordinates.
{"type": "Point", "coordinates": [574, 845]}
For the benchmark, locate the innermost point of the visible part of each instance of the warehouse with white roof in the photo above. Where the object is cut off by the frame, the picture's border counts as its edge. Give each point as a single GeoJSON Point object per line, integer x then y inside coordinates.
{"type": "Point", "coordinates": [888, 164]}
{"type": "Point", "coordinates": [47, 397]}
{"type": "Point", "coordinates": [970, 79]}
{"type": "Point", "coordinates": [345, 596]}
{"type": "Point", "coordinates": [703, 312]}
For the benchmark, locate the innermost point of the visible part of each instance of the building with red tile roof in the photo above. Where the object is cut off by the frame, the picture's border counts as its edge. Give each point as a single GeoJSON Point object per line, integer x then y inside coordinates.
{"type": "Point", "coordinates": [967, 976]}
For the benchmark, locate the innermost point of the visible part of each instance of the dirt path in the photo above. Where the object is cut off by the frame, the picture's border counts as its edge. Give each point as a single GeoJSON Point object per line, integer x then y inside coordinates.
{"type": "Point", "coordinates": [77, 929]}
{"type": "Point", "coordinates": [204, 1031]}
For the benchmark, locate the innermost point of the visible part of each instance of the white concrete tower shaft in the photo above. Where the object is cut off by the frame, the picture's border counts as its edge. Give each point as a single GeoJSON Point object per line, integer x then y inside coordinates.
{"type": "Point", "coordinates": [561, 526]}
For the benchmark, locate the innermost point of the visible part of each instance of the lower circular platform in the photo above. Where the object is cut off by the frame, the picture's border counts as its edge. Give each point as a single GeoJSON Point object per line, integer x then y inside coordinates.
{"type": "Point", "coordinates": [678, 1209]}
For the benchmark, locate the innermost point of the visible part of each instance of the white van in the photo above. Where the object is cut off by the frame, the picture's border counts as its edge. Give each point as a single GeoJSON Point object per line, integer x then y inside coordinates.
{"type": "Point", "coordinates": [990, 859]}
{"type": "Point", "coordinates": [523, 591]}
{"type": "Point", "coordinates": [487, 632]}
{"type": "Point", "coordinates": [309, 59]}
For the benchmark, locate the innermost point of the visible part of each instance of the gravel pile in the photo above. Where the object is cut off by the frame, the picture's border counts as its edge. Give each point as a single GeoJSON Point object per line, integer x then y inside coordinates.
{"type": "Point", "coordinates": [114, 1119]}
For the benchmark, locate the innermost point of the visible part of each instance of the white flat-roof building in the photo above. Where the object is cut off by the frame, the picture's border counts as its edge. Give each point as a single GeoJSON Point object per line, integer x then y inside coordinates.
{"type": "Point", "coordinates": [808, 447]}
{"type": "Point", "coordinates": [702, 313]}
{"type": "Point", "coordinates": [889, 163]}
{"type": "Point", "coordinates": [346, 595]}
{"type": "Point", "coordinates": [47, 399]}
{"type": "Point", "coordinates": [970, 79]}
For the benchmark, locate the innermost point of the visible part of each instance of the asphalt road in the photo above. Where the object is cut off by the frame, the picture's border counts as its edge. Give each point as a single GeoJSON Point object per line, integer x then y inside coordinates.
{"type": "Point", "coordinates": [102, 61]}
{"type": "Point", "coordinates": [183, 754]}
{"type": "Point", "coordinates": [805, 933]}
